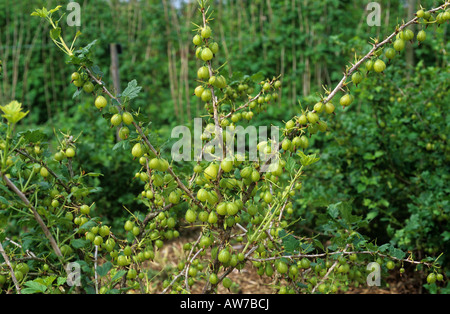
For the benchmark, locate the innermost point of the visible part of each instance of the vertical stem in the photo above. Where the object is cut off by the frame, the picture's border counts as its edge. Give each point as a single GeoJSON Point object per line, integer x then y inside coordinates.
{"type": "Point", "coordinates": [11, 270]}
{"type": "Point", "coordinates": [38, 218]}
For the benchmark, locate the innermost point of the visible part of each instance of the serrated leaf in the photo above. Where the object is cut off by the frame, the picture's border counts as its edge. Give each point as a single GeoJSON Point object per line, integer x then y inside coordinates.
{"type": "Point", "coordinates": [257, 77]}
{"type": "Point", "coordinates": [118, 275]}
{"type": "Point", "coordinates": [79, 243]}
{"type": "Point", "coordinates": [33, 287]}
{"type": "Point", "coordinates": [290, 165]}
{"type": "Point", "coordinates": [290, 243]}
{"type": "Point", "coordinates": [13, 112]}
{"type": "Point", "coordinates": [125, 144]}
{"type": "Point", "coordinates": [77, 93]}
{"type": "Point", "coordinates": [132, 90]}
{"type": "Point", "coordinates": [40, 13]}
{"type": "Point", "coordinates": [55, 9]}
{"type": "Point", "coordinates": [33, 135]}
{"type": "Point", "coordinates": [307, 160]}
{"type": "Point", "coordinates": [104, 269]}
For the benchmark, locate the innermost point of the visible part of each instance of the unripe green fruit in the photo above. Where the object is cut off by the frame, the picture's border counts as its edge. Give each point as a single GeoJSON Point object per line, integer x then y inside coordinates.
{"type": "Point", "coordinates": [319, 107]}
{"type": "Point", "coordinates": [224, 256]}
{"type": "Point", "coordinates": [304, 142]}
{"type": "Point", "coordinates": [190, 216]}
{"type": "Point", "coordinates": [70, 152]}
{"type": "Point", "coordinates": [255, 176]}
{"type": "Point", "coordinates": [390, 265]}
{"type": "Point", "coordinates": [214, 47]}
{"type": "Point", "coordinates": [154, 164]}
{"type": "Point", "coordinates": [206, 32]}
{"type": "Point", "coordinates": [212, 218]}
{"type": "Point", "coordinates": [198, 91]}
{"type": "Point", "coordinates": [202, 195]}
{"type": "Point", "coordinates": [421, 36]}
{"type": "Point", "coordinates": [75, 76]}
{"type": "Point", "coordinates": [211, 172]}
{"type": "Point", "coordinates": [137, 150]}
{"type": "Point", "coordinates": [203, 73]}
{"type": "Point", "coordinates": [128, 225]}
{"type": "Point", "coordinates": [369, 65]}
{"type": "Point", "coordinates": [379, 66]}
{"type": "Point", "coordinates": [213, 279]}
{"type": "Point", "coordinates": [100, 102]}
{"type": "Point", "coordinates": [406, 35]}
{"type": "Point", "coordinates": [268, 198]}
{"type": "Point", "coordinates": [329, 108]}
{"type": "Point", "coordinates": [206, 95]}
{"type": "Point", "coordinates": [124, 132]}
{"type": "Point", "coordinates": [197, 40]}
{"type": "Point", "coordinates": [390, 53]}
{"type": "Point", "coordinates": [431, 278]}
{"type": "Point", "coordinates": [302, 120]}
{"type": "Point", "coordinates": [227, 165]}
{"type": "Point", "coordinates": [122, 260]}
{"type": "Point", "coordinates": [232, 208]}
{"type": "Point", "coordinates": [286, 144]}
{"type": "Point", "coordinates": [312, 117]}
{"type": "Point", "coordinates": [357, 78]}
{"type": "Point", "coordinates": [85, 209]}
{"type": "Point", "coordinates": [345, 100]}
{"type": "Point", "coordinates": [399, 44]}
{"type": "Point", "coordinates": [127, 118]}
{"type": "Point", "coordinates": [282, 267]}
{"type": "Point", "coordinates": [88, 87]}
{"type": "Point", "coordinates": [226, 282]}
{"type": "Point", "coordinates": [44, 172]}
{"type": "Point", "coordinates": [116, 119]}
{"type": "Point", "coordinates": [98, 240]}
{"type": "Point", "coordinates": [207, 54]}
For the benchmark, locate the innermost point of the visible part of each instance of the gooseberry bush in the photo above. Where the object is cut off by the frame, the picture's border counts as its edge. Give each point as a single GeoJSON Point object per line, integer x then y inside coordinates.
{"type": "Point", "coordinates": [240, 208]}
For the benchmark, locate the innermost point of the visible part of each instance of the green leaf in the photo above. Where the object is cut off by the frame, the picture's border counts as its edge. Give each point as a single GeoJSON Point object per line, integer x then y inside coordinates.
{"type": "Point", "coordinates": [77, 93]}
{"type": "Point", "coordinates": [104, 269]}
{"type": "Point", "coordinates": [290, 243]}
{"type": "Point", "coordinates": [257, 77]}
{"type": "Point", "coordinates": [290, 165]}
{"type": "Point", "coordinates": [4, 200]}
{"type": "Point", "coordinates": [13, 112]}
{"type": "Point", "coordinates": [55, 33]}
{"type": "Point", "coordinates": [125, 144]}
{"type": "Point", "coordinates": [79, 243]}
{"type": "Point", "coordinates": [33, 287]}
{"type": "Point", "coordinates": [40, 13]}
{"type": "Point", "coordinates": [33, 135]}
{"type": "Point", "coordinates": [132, 90]}
{"type": "Point", "coordinates": [55, 9]}
{"type": "Point", "coordinates": [307, 160]}
{"type": "Point", "coordinates": [118, 275]}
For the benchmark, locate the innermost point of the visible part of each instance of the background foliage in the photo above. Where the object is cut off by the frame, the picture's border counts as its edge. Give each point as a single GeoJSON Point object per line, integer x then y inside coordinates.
{"type": "Point", "coordinates": [388, 154]}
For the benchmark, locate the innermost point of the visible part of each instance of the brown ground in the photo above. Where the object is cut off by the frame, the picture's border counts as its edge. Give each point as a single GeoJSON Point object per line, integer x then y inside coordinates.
{"type": "Point", "coordinates": [249, 282]}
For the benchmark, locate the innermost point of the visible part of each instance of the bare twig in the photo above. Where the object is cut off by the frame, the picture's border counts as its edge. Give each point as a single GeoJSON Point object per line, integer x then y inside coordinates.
{"type": "Point", "coordinates": [35, 213]}
{"type": "Point", "coordinates": [11, 270]}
